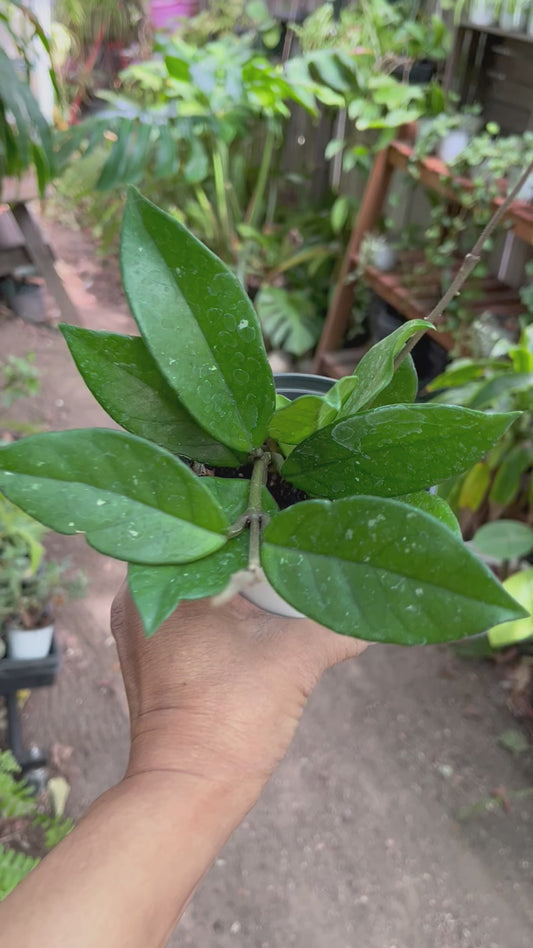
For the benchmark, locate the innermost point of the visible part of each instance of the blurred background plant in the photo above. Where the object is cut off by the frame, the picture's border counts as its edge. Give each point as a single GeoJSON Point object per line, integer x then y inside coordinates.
{"type": "Point", "coordinates": [29, 825]}
{"type": "Point", "coordinates": [501, 485]}
{"type": "Point", "coordinates": [26, 139]}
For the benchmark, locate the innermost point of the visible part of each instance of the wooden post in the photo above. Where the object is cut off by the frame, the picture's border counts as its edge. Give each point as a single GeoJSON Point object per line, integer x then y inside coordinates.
{"type": "Point", "coordinates": [369, 213]}
{"type": "Point", "coordinates": [41, 256]}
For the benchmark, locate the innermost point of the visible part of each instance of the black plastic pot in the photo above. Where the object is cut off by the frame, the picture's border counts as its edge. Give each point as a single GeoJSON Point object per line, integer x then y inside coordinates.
{"type": "Point", "coordinates": [419, 74]}
{"type": "Point", "coordinates": [294, 385]}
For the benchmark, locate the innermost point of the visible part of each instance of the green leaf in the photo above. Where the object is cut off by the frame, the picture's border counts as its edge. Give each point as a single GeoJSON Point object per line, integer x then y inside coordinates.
{"type": "Point", "coordinates": [520, 587]}
{"type": "Point", "coordinates": [514, 740]}
{"type": "Point", "coordinates": [198, 324]}
{"type": "Point", "coordinates": [503, 540]}
{"type": "Point", "coordinates": [337, 395]}
{"type": "Point", "coordinates": [157, 590]}
{"type": "Point", "coordinates": [506, 484]}
{"type": "Point", "coordinates": [393, 450]}
{"type": "Point", "coordinates": [133, 500]}
{"type": "Point", "coordinates": [197, 166]}
{"type": "Point", "coordinates": [125, 380]}
{"type": "Point", "coordinates": [166, 157]}
{"type": "Point", "coordinates": [111, 173]}
{"type": "Point", "coordinates": [289, 319]}
{"type": "Point", "coordinates": [376, 369]}
{"type": "Point", "coordinates": [435, 506]}
{"type": "Point", "coordinates": [474, 486]}
{"type": "Point", "coordinates": [403, 386]}
{"type": "Point", "coordinates": [492, 391]}
{"type": "Point", "coordinates": [380, 570]}
{"type": "Point", "coordinates": [298, 420]}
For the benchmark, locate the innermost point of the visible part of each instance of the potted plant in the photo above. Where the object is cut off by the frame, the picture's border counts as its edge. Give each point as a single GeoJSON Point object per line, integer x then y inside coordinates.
{"type": "Point", "coordinates": [30, 585]}
{"type": "Point", "coordinates": [449, 133]}
{"type": "Point", "coordinates": [27, 603]}
{"type": "Point", "coordinates": [378, 251]}
{"type": "Point", "coordinates": [324, 496]}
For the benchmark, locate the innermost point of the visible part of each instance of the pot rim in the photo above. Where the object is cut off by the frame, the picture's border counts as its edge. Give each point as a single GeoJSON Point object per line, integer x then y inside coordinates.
{"type": "Point", "coordinates": [295, 384]}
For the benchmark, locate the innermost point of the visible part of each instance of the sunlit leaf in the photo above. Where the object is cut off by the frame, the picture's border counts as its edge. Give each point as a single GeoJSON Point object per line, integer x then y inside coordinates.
{"type": "Point", "coordinates": [132, 499]}
{"type": "Point", "coordinates": [379, 569]}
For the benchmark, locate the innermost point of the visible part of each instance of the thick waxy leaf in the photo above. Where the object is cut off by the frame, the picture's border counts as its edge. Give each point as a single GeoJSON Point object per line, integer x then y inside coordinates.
{"type": "Point", "coordinates": [393, 450]}
{"type": "Point", "coordinates": [298, 420]}
{"type": "Point", "coordinates": [157, 590]}
{"type": "Point", "coordinates": [337, 396]}
{"type": "Point", "coordinates": [378, 569]}
{"type": "Point", "coordinates": [403, 386]}
{"type": "Point", "coordinates": [125, 380]}
{"type": "Point", "coordinates": [198, 324]}
{"type": "Point", "coordinates": [435, 506]}
{"type": "Point", "coordinates": [503, 540]}
{"type": "Point", "coordinates": [376, 369]}
{"type": "Point", "coordinates": [133, 500]}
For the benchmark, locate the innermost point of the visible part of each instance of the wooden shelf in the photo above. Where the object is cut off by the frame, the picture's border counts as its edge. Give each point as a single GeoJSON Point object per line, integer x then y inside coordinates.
{"type": "Point", "coordinates": [433, 171]}
{"type": "Point", "coordinates": [412, 294]}
{"type": "Point", "coordinates": [495, 31]}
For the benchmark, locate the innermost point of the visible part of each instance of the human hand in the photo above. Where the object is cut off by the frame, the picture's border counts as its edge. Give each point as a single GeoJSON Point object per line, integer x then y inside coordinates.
{"type": "Point", "coordinates": [218, 691]}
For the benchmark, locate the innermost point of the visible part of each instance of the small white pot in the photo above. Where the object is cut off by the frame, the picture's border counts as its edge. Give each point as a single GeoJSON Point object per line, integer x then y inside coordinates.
{"type": "Point", "coordinates": [481, 12]}
{"type": "Point", "coordinates": [529, 28]}
{"type": "Point", "coordinates": [513, 17]}
{"type": "Point", "coordinates": [28, 644]}
{"type": "Point", "coordinates": [263, 595]}
{"type": "Point", "coordinates": [451, 146]}
{"type": "Point", "coordinates": [384, 257]}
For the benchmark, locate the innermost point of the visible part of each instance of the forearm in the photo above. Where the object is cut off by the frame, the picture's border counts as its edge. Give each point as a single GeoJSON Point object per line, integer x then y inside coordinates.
{"type": "Point", "coordinates": [95, 890]}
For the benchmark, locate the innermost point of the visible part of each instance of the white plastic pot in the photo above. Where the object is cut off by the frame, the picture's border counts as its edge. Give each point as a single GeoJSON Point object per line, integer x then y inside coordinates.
{"type": "Point", "coordinates": [451, 146]}
{"type": "Point", "coordinates": [384, 257]}
{"type": "Point", "coordinates": [29, 644]}
{"type": "Point", "coordinates": [262, 594]}
{"type": "Point", "coordinates": [481, 12]}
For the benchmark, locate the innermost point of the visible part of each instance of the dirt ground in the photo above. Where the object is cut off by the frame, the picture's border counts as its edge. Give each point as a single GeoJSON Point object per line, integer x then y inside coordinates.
{"type": "Point", "coordinates": [357, 841]}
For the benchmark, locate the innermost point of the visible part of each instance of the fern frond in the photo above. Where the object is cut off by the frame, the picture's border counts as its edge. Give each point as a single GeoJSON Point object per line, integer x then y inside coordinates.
{"type": "Point", "coordinates": [14, 867]}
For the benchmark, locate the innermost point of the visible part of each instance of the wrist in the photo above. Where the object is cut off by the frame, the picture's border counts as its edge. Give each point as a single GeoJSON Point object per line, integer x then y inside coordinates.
{"type": "Point", "coordinates": [167, 742]}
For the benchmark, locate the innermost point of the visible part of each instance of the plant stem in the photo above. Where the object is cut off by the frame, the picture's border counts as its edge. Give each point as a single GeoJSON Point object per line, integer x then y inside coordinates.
{"type": "Point", "coordinates": [470, 261]}
{"type": "Point", "coordinates": [221, 197]}
{"type": "Point", "coordinates": [256, 202]}
{"type": "Point", "coordinates": [255, 518]}
{"type": "Point", "coordinates": [255, 511]}
{"type": "Point", "coordinates": [257, 199]}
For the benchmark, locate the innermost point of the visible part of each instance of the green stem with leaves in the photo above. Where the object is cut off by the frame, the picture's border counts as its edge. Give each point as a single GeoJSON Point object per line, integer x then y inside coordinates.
{"type": "Point", "coordinates": [255, 518]}
{"type": "Point", "coordinates": [221, 196]}
{"type": "Point", "coordinates": [258, 198]}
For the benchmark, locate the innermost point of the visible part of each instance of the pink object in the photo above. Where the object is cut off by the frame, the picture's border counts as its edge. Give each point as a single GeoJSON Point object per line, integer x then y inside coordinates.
{"type": "Point", "coordinates": [165, 14]}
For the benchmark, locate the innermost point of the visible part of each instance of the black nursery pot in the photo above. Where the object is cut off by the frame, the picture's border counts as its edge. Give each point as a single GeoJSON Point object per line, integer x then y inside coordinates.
{"type": "Point", "coordinates": [294, 385]}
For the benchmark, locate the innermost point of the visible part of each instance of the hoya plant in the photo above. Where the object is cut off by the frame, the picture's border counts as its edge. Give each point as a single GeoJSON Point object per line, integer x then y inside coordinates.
{"type": "Point", "coordinates": [217, 481]}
